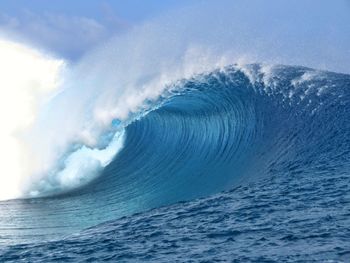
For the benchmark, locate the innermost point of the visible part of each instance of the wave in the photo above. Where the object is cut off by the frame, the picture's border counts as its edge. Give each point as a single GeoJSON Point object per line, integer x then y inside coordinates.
{"type": "Point", "coordinates": [202, 135]}
{"type": "Point", "coordinates": [220, 128]}
{"type": "Point", "coordinates": [74, 116]}
{"type": "Point", "coordinates": [223, 115]}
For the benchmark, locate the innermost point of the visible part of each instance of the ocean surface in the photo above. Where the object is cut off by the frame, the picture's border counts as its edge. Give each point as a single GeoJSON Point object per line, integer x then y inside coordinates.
{"type": "Point", "coordinates": [241, 164]}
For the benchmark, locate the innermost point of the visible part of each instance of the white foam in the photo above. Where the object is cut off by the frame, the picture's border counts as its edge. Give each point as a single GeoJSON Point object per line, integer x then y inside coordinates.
{"type": "Point", "coordinates": [27, 76]}
{"type": "Point", "coordinates": [78, 168]}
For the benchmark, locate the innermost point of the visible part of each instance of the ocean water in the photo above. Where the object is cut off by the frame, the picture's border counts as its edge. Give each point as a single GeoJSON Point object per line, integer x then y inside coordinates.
{"type": "Point", "coordinates": [287, 218]}
{"type": "Point", "coordinates": [240, 164]}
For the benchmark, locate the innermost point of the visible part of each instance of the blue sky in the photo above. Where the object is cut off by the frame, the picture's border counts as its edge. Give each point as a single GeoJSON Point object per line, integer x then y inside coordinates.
{"type": "Point", "coordinates": [316, 30]}
{"type": "Point", "coordinates": [130, 10]}
{"type": "Point", "coordinates": [69, 28]}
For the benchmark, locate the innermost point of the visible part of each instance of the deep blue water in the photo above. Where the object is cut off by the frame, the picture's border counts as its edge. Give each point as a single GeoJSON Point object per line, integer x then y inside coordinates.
{"type": "Point", "coordinates": [240, 164]}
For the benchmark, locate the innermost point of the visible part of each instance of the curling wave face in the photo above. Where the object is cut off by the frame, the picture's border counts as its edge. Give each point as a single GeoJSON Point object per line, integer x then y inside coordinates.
{"type": "Point", "coordinates": [205, 134]}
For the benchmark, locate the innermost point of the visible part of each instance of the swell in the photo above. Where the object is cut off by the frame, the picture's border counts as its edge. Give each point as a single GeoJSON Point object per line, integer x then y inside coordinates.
{"type": "Point", "coordinates": [214, 132]}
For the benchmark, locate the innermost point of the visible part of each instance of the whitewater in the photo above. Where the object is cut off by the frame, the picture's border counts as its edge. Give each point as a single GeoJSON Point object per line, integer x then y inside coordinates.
{"type": "Point", "coordinates": [169, 145]}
